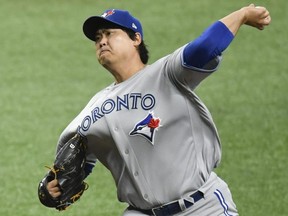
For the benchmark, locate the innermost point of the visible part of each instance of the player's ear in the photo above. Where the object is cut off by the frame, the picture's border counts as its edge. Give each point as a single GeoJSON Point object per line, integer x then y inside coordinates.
{"type": "Point", "coordinates": [138, 39]}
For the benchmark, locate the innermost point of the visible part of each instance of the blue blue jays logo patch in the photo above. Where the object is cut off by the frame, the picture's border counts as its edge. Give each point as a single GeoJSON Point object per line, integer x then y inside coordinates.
{"type": "Point", "coordinates": [147, 127]}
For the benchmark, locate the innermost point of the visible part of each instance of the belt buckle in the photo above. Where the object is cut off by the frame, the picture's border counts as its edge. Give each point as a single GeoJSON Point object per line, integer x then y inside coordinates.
{"type": "Point", "coordinates": [165, 210]}
{"type": "Point", "coordinates": [154, 210]}
{"type": "Point", "coordinates": [183, 204]}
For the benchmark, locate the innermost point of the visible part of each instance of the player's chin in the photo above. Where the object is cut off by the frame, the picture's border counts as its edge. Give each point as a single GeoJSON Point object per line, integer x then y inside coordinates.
{"type": "Point", "coordinates": [103, 61]}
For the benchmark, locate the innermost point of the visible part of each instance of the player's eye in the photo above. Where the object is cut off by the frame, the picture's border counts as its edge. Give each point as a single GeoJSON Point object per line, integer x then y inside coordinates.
{"type": "Point", "coordinates": [97, 38]}
{"type": "Point", "coordinates": [108, 33]}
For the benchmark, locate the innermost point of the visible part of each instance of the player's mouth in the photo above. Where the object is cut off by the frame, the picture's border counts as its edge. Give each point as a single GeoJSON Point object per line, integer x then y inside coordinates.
{"type": "Point", "coordinates": [103, 51]}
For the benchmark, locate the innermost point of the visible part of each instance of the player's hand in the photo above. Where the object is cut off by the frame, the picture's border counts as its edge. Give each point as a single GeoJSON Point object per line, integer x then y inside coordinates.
{"type": "Point", "coordinates": [257, 17]}
{"type": "Point", "coordinates": [53, 188]}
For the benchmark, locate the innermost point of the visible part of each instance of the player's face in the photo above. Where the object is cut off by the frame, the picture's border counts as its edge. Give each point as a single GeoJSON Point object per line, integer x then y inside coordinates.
{"type": "Point", "coordinates": [113, 46]}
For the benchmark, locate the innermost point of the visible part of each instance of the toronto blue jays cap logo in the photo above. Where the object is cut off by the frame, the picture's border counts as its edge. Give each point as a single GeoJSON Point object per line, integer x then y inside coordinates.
{"type": "Point", "coordinates": [108, 13]}
{"type": "Point", "coordinates": [147, 127]}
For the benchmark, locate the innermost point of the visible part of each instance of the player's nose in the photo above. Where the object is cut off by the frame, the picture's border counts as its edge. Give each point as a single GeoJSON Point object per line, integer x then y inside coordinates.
{"type": "Point", "coordinates": [103, 41]}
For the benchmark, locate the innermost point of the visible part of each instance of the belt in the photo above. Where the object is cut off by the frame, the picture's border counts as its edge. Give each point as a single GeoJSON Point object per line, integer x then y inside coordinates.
{"type": "Point", "coordinates": [172, 208]}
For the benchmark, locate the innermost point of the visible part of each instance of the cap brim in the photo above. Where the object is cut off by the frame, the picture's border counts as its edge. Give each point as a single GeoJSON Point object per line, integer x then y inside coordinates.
{"type": "Point", "coordinates": [93, 24]}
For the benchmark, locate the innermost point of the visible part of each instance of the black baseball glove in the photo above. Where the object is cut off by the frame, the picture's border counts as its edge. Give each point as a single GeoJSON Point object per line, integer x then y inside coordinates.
{"type": "Point", "coordinates": [68, 169]}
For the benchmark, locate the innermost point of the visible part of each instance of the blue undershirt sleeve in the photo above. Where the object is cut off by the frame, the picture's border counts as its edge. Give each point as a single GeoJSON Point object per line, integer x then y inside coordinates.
{"type": "Point", "coordinates": [214, 40]}
{"type": "Point", "coordinates": [88, 168]}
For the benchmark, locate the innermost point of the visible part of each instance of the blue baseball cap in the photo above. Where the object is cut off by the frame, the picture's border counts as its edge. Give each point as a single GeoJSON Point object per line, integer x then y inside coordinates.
{"type": "Point", "coordinates": [111, 18]}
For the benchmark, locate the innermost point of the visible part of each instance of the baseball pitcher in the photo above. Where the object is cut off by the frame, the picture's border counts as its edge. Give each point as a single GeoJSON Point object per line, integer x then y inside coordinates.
{"type": "Point", "coordinates": [148, 127]}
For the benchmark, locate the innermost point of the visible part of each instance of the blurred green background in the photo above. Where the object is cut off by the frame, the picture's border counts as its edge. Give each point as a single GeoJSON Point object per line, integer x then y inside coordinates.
{"type": "Point", "coordinates": [48, 72]}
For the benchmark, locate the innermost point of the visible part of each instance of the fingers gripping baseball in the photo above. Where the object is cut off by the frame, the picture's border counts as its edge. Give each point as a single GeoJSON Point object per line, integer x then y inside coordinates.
{"type": "Point", "coordinates": [256, 16]}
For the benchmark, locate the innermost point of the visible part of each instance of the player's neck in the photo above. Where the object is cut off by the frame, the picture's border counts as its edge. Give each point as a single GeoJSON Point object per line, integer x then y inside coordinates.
{"type": "Point", "coordinates": [122, 72]}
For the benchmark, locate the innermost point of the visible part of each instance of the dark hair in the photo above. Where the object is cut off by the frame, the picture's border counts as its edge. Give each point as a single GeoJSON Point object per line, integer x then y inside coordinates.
{"type": "Point", "coordinates": [142, 48]}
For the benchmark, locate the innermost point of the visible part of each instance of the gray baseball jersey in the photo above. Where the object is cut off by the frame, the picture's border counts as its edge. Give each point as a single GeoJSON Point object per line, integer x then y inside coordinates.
{"type": "Point", "coordinates": [152, 132]}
